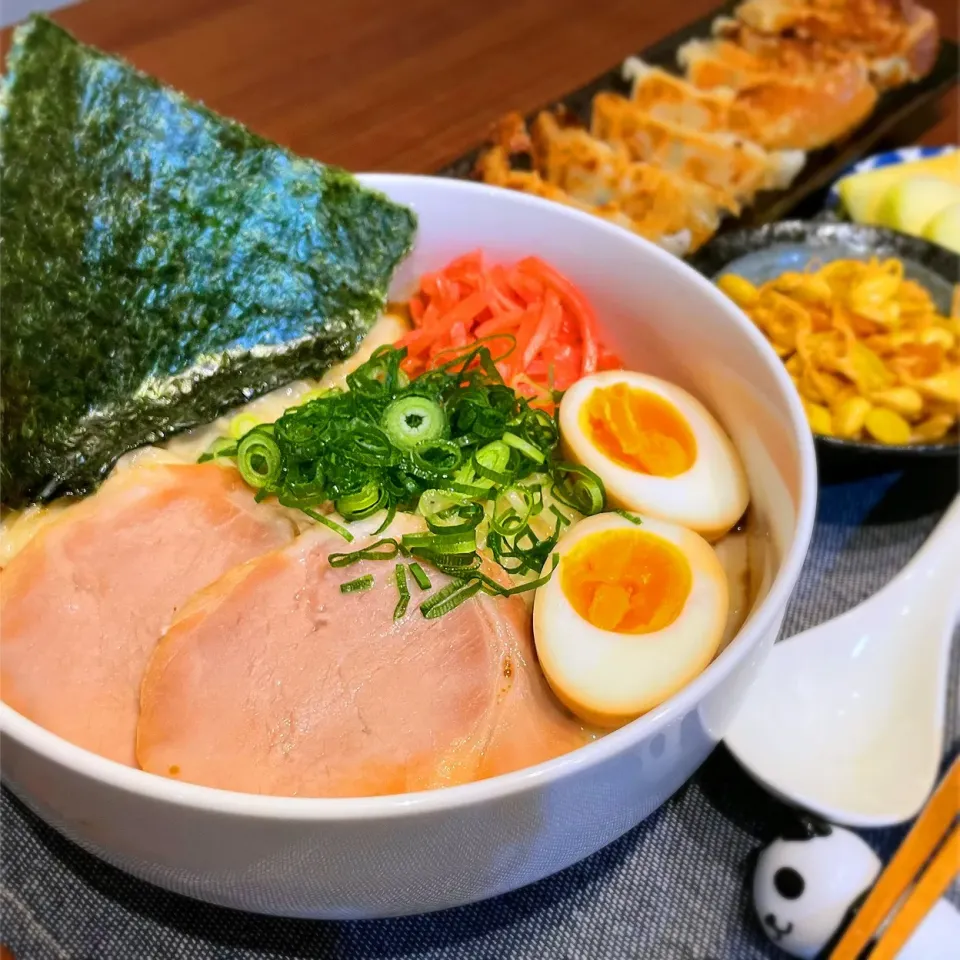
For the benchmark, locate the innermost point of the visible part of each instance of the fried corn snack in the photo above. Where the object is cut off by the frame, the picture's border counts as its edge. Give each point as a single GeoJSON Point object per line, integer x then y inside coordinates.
{"type": "Point", "coordinates": [867, 349]}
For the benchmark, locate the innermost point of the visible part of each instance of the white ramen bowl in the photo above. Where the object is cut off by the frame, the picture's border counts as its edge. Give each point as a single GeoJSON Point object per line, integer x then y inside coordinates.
{"type": "Point", "coordinates": [382, 856]}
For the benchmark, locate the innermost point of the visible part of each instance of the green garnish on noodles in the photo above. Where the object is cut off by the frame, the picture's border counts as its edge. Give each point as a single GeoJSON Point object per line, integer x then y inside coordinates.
{"type": "Point", "coordinates": [456, 445]}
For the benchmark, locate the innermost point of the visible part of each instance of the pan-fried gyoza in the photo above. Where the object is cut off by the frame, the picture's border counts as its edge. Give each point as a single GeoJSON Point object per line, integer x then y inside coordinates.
{"type": "Point", "coordinates": [779, 78]}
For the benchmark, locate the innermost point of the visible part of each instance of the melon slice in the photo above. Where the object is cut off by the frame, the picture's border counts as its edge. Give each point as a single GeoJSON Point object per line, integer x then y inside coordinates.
{"type": "Point", "coordinates": [862, 192]}
{"type": "Point", "coordinates": [908, 206]}
{"type": "Point", "coordinates": [944, 228]}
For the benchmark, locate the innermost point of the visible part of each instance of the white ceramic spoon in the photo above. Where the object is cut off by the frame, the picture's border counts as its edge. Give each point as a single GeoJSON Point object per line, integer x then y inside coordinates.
{"type": "Point", "coordinates": [846, 719]}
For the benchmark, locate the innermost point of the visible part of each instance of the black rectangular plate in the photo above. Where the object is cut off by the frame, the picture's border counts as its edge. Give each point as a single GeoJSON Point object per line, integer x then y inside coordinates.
{"type": "Point", "coordinates": [822, 166]}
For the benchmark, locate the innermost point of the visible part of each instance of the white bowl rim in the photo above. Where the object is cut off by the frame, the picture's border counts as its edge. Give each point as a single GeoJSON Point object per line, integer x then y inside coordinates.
{"type": "Point", "coordinates": [152, 787]}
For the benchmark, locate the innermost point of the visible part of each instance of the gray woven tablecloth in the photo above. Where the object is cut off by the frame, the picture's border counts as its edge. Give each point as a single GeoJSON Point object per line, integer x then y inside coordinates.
{"type": "Point", "coordinates": [59, 903]}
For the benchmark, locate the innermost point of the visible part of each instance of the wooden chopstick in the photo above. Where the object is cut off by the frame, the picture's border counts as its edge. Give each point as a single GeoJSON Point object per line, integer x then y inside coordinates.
{"type": "Point", "coordinates": [930, 887]}
{"type": "Point", "coordinates": [933, 824]}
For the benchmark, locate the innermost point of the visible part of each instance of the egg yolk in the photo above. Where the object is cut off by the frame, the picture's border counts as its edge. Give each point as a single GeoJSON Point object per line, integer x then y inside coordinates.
{"type": "Point", "coordinates": [626, 581]}
{"type": "Point", "coordinates": [639, 430]}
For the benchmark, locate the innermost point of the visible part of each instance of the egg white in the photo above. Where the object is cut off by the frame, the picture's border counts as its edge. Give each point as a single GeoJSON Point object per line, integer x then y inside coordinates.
{"type": "Point", "coordinates": [609, 678]}
{"type": "Point", "coordinates": [709, 497]}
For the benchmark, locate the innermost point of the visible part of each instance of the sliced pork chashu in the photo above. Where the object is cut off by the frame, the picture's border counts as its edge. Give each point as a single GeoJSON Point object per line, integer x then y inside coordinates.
{"type": "Point", "coordinates": [272, 681]}
{"type": "Point", "coordinates": [83, 604]}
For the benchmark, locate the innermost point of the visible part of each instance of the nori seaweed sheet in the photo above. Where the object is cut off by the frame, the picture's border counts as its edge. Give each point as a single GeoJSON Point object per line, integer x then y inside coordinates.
{"type": "Point", "coordinates": [159, 264]}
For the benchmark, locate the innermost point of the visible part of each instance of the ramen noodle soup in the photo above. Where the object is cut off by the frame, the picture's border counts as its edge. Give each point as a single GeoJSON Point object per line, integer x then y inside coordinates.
{"type": "Point", "coordinates": [476, 545]}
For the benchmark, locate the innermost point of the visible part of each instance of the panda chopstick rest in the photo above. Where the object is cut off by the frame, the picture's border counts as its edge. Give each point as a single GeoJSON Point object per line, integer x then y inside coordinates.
{"type": "Point", "coordinates": [807, 884]}
{"type": "Point", "coordinates": [905, 905]}
{"type": "Point", "coordinates": [812, 888]}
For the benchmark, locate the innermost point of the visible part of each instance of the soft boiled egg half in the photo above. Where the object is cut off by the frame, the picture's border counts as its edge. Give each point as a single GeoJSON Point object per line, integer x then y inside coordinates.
{"type": "Point", "coordinates": [631, 614]}
{"type": "Point", "coordinates": [657, 450]}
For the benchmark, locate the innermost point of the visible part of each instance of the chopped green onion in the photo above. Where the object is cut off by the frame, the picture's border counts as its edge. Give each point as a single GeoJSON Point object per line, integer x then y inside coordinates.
{"type": "Point", "coordinates": [326, 521]}
{"type": "Point", "coordinates": [457, 518]}
{"type": "Point", "coordinates": [446, 561]}
{"type": "Point", "coordinates": [502, 551]}
{"type": "Point", "coordinates": [444, 593]}
{"type": "Point", "coordinates": [491, 462]}
{"type": "Point", "coordinates": [241, 425]}
{"type": "Point", "coordinates": [486, 422]}
{"type": "Point", "coordinates": [540, 429]}
{"type": "Point", "coordinates": [441, 542]}
{"type": "Point", "coordinates": [411, 420]}
{"type": "Point", "coordinates": [365, 503]}
{"type": "Point", "coordinates": [355, 586]}
{"type": "Point", "coordinates": [453, 564]}
{"type": "Point", "coordinates": [472, 490]}
{"type": "Point", "coordinates": [513, 520]}
{"type": "Point", "coordinates": [487, 584]}
{"type": "Point", "coordinates": [433, 501]}
{"type": "Point", "coordinates": [221, 447]}
{"type": "Point", "coordinates": [380, 376]}
{"type": "Point", "coordinates": [526, 548]}
{"type": "Point", "coordinates": [629, 516]}
{"type": "Point", "coordinates": [525, 447]}
{"type": "Point", "coordinates": [259, 459]}
{"type": "Point", "coordinates": [420, 575]}
{"type": "Point", "coordinates": [366, 443]}
{"type": "Point", "coordinates": [400, 574]}
{"type": "Point", "coordinates": [433, 459]}
{"type": "Point", "coordinates": [480, 353]}
{"type": "Point", "coordinates": [495, 589]}
{"type": "Point", "coordinates": [303, 432]}
{"type": "Point", "coordinates": [303, 482]}
{"type": "Point", "coordinates": [579, 487]}
{"type": "Point", "coordinates": [534, 584]}
{"type": "Point", "coordinates": [447, 599]}
{"type": "Point", "coordinates": [387, 520]}
{"type": "Point", "coordinates": [444, 445]}
{"type": "Point", "coordinates": [385, 549]}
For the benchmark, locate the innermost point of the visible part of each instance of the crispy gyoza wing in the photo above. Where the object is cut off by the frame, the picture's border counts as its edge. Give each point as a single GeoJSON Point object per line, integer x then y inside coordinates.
{"type": "Point", "coordinates": [737, 167]}
{"type": "Point", "coordinates": [778, 97]}
{"type": "Point", "coordinates": [898, 38]}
